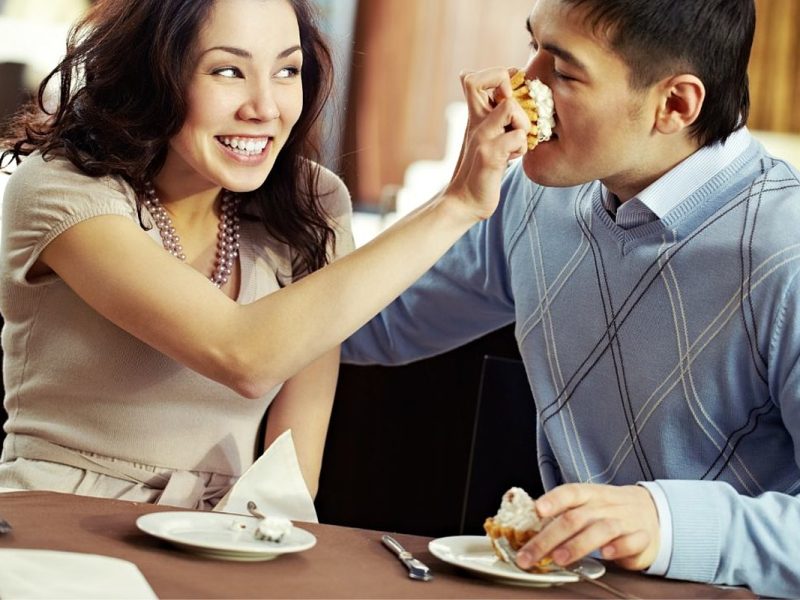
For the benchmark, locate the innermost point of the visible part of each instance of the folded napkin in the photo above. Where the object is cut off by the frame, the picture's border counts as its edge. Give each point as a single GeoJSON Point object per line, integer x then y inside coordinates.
{"type": "Point", "coordinates": [275, 483]}
{"type": "Point", "coordinates": [67, 575]}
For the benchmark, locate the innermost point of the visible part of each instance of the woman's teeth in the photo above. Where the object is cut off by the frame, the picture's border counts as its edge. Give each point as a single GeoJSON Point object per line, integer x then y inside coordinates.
{"type": "Point", "coordinates": [245, 146]}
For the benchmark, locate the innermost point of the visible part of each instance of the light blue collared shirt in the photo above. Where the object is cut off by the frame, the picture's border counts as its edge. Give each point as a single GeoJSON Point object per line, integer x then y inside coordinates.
{"type": "Point", "coordinates": [664, 194]}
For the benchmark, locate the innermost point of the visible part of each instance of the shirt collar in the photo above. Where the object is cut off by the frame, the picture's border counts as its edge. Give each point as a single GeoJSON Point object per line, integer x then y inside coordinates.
{"type": "Point", "coordinates": [673, 187]}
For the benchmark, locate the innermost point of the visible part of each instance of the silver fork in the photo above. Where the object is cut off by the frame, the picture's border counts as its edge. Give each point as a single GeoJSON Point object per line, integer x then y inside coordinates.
{"type": "Point", "coordinates": [510, 556]}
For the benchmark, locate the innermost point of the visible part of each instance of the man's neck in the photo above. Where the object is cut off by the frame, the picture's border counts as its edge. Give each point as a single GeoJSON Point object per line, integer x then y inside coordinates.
{"type": "Point", "coordinates": [666, 159]}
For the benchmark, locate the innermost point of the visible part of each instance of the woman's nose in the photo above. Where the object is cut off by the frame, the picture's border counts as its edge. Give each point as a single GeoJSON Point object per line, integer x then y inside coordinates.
{"type": "Point", "coordinates": [260, 105]}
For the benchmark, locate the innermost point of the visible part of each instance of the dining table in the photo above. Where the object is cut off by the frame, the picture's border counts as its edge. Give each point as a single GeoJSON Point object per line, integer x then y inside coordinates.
{"type": "Point", "coordinates": [345, 562]}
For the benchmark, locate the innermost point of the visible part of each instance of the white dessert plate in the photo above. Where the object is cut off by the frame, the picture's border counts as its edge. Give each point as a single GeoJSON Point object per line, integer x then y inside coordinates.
{"type": "Point", "coordinates": [216, 535]}
{"type": "Point", "coordinates": [474, 553]}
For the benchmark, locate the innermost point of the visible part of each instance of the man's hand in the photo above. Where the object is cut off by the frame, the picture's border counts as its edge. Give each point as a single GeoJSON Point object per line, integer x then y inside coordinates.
{"type": "Point", "coordinates": [621, 521]}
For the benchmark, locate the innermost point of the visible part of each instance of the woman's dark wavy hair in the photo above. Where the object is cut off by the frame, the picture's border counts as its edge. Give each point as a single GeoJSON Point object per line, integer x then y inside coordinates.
{"type": "Point", "coordinates": [711, 39]}
{"type": "Point", "coordinates": [122, 97]}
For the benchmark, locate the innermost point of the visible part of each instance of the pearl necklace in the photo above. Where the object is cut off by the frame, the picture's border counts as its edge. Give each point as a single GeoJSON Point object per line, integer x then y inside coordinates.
{"type": "Point", "coordinates": [227, 237]}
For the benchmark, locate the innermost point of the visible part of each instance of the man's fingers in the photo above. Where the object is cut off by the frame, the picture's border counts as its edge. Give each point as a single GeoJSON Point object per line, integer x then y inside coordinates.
{"type": "Point", "coordinates": [628, 551]}
{"type": "Point", "coordinates": [587, 517]}
{"type": "Point", "coordinates": [595, 535]}
{"type": "Point", "coordinates": [564, 497]}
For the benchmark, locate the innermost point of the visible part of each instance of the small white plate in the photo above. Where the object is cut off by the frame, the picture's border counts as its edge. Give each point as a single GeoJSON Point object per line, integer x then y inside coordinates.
{"type": "Point", "coordinates": [215, 535]}
{"type": "Point", "coordinates": [474, 552]}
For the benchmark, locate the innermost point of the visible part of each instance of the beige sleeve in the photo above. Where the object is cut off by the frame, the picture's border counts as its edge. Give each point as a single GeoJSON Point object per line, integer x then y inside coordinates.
{"type": "Point", "coordinates": [336, 201]}
{"type": "Point", "coordinates": [45, 198]}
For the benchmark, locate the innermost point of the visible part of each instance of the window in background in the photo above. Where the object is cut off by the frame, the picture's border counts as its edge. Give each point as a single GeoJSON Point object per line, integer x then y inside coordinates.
{"type": "Point", "coordinates": [338, 22]}
{"type": "Point", "coordinates": [33, 36]}
{"type": "Point", "coordinates": [406, 61]}
{"type": "Point", "coordinates": [34, 33]}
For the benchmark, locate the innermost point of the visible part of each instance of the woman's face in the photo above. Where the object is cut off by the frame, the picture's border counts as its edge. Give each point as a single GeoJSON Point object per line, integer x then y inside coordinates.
{"type": "Point", "coordinates": [244, 96]}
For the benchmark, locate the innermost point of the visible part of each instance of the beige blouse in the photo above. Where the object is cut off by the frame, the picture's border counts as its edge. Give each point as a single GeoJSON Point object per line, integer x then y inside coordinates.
{"type": "Point", "coordinates": [77, 385]}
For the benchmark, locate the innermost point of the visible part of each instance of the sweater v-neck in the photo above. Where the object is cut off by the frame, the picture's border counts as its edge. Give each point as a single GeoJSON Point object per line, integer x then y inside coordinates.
{"type": "Point", "coordinates": [703, 202]}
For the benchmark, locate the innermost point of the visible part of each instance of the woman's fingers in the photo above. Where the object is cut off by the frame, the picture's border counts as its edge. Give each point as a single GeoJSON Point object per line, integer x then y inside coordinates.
{"type": "Point", "coordinates": [496, 133]}
{"type": "Point", "coordinates": [488, 148]}
{"type": "Point", "coordinates": [482, 88]}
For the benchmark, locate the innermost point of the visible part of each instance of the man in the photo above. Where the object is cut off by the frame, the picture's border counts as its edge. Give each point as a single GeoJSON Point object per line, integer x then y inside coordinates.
{"type": "Point", "coordinates": [649, 255]}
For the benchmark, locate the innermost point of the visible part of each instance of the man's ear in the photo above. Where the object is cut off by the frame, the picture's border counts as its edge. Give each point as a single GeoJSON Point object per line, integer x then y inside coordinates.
{"type": "Point", "coordinates": [681, 98]}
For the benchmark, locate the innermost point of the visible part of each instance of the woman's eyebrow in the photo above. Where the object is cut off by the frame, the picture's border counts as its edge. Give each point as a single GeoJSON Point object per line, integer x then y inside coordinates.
{"type": "Point", "coordinates": [246, 54]}
{"type": "Point", "coordinates": [231, 50]}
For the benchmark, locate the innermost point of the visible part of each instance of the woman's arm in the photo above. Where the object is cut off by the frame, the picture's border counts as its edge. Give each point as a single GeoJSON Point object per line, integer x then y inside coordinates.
{"type": "Point", "coordinates": [304, 405]}
{"type": "Point", "coordinates": [118, 270]}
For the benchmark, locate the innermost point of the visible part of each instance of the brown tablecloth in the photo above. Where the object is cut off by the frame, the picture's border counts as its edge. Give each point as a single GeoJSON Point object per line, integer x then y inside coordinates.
{"type": "Point", "coordinates": [345, 563]}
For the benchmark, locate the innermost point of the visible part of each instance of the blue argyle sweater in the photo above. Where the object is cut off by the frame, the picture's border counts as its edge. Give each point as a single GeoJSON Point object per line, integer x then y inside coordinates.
{"type": "Point", "coordinates": [667, 352]}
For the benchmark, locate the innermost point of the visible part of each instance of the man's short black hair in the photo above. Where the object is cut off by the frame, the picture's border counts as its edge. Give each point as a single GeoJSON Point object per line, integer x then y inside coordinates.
{"type": "Point", "coordinates": [707, 38]}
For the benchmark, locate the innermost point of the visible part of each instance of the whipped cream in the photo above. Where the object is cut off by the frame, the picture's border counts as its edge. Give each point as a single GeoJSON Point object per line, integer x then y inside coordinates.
{"type": "Point", "coordinates": [543, 97]}
{"type": "Point", "coordinates": [517, 511]}
{"type": "Point", "coordinates": [273, 529]}
{"type": "Point", "coordinates": [238, 525]}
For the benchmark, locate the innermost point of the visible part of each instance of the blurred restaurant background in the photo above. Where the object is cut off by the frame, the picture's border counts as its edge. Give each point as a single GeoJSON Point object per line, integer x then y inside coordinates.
{"type": "Point", "coordinates": [393, 127]}
{"type": "Point", "coordinates": [393, 131]}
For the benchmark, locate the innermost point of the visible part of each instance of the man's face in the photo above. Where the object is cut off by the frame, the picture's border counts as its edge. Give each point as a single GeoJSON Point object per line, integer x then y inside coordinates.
{"type": "Point", "coordinates": [604, 129]}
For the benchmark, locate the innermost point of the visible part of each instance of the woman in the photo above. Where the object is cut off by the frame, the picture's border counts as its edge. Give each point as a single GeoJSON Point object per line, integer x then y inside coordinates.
{"type": "Point", "coordinates": [178, 154]}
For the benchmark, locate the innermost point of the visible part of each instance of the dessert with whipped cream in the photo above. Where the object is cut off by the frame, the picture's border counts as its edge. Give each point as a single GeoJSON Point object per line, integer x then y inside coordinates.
{"type": "Point", "coordinates": [273, 529]}
{"type": "Point", "coordinates": [536, 99]}
{"type": "Point", "coordinates": [516, 521]}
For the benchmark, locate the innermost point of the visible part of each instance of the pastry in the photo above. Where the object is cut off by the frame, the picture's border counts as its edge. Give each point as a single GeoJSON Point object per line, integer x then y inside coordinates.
{"type": "Point", "coordinates": [536, 99]}
{"type": "Point", "coordinates": [517, 522]}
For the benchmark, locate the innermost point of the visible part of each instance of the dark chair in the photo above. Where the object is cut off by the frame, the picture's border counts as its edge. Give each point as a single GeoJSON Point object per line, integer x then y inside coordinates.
{"type": "Point", "coordinates": [504, 442]}
{"type": "Point", "coordinates": [410, 449]}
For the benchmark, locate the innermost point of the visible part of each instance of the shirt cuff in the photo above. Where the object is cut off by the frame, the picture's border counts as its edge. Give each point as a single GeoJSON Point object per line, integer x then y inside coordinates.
{"type": "Point", "coordinates": [661, 563]}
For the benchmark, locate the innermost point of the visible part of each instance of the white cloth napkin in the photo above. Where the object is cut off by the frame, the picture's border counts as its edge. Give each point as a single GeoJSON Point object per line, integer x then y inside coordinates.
{"type": "Point", "coordinates": [275, 483]}
{"type": "Point", "coordinates": [67, 575]}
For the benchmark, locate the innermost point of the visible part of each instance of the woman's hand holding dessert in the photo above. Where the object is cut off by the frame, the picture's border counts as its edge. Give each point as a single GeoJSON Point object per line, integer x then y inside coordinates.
{"type": "Point", "coordinates": [619, 520]}
{"type": "Point", "coordinates": [496, 133]}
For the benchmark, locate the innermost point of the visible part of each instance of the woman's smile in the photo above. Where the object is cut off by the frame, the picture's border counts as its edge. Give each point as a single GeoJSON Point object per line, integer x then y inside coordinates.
{"type": "Point", "coordinates": [245, 149]}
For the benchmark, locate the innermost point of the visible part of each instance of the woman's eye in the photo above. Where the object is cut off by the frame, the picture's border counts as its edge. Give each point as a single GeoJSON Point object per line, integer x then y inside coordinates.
{"type": "Point", "coordinates": [287, 73]}
{"type": "Point", "coordinates": [230, 72]}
